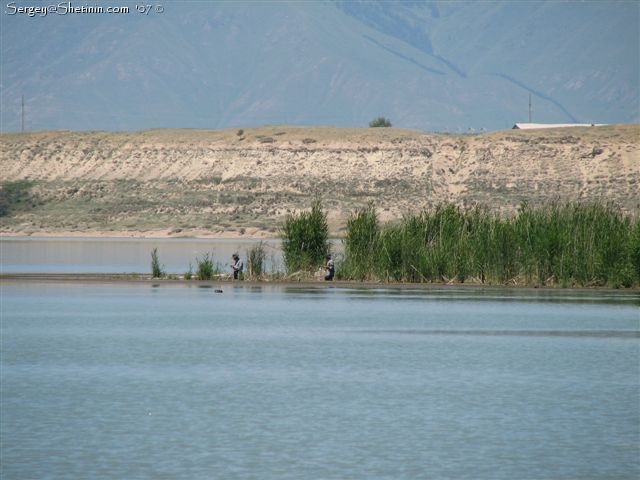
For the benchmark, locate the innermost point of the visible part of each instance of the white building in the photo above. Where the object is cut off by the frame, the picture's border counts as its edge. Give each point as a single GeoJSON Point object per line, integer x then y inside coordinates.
{"type": "Point", "coordinates": [532, 126]}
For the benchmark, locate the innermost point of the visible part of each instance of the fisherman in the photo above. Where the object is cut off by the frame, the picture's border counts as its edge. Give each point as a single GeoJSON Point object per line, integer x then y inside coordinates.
{"type": "Point", "coordinates": [237, 266]}
{"type": "Point", "coordinates": [329, 268]}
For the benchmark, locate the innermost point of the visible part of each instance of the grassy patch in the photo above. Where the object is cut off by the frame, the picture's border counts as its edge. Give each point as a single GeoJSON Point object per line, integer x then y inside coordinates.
{"type": "Point", "coordinates": [15, 196]}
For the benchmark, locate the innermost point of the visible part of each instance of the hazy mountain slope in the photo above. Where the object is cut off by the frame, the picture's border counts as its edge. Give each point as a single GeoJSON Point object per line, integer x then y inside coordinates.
{"type": "Point", "coordinates": [433, 66]}
{"type": "Point", "coordinates": [576, 59]}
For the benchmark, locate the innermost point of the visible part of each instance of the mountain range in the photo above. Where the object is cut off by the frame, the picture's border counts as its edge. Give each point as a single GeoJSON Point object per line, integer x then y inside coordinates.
{"type": "Point", "coordinates": [435, 66]}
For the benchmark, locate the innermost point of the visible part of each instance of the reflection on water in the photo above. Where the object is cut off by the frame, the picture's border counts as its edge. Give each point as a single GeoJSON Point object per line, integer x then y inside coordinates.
{"type": "Point", "coordinates": [476, 294]}
{"type": "Point", "coordinates": [525, 333]}
{"type": "Point", "coordinates": [273, 382]}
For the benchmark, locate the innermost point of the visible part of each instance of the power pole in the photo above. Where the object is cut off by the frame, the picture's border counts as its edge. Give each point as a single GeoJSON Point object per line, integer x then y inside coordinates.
{"type": "Point", "coordinates": [529, 108]}
{"type": "Point", "coordinates": [22, 113]}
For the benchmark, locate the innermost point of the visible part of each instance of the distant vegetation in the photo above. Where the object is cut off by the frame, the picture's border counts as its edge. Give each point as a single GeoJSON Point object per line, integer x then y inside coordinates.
{"type": "Point", "coordinates": [565, 245]}
{"type": "Point", "coordinates": [380, 122]}
{"type": "Point", "coordinates": [305, 239]}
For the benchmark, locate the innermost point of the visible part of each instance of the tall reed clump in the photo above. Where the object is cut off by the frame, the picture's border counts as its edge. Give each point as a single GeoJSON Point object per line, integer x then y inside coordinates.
{"type": "Point", "coordinates": [305, 239]}
{"type": "Point", "coordinates": [205, 269]}
{"type": "Point", "coordinates": [430, 246]}
{"type": "Point", "coordinates": [555, 244]}
{"type": "Point", "coordinates": [157, 271]}
{"type": "Point", "coordinates": [256, 257]}
{"type": "Point", "coordinates": [583, 244]}
{"type": "Point", "coordinates": [360, 244]}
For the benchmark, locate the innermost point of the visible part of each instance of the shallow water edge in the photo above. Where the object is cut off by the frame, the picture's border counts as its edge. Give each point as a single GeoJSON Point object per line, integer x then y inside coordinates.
{"type": "Point", "coordinates": [140, 278]}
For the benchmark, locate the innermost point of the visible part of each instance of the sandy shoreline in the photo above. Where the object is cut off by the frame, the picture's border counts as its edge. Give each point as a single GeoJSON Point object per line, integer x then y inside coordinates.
{"type": "Point", "coordinates": [250, 234]}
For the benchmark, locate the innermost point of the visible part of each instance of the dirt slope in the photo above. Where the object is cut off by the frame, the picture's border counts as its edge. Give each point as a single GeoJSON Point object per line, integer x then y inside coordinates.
{"type": "Point", "coordinates": [243, 182]}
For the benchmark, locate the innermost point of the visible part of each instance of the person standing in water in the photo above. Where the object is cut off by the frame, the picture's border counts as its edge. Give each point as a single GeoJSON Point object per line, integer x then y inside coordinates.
{"type": "Point", "coordinates": [237, 266]}
{"type": "Point", "coordinates": [329, 268]}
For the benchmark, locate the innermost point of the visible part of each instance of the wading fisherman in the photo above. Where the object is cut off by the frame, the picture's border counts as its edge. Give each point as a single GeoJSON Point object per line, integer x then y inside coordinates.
{"type": "Point", "coordinates": [236, 266]}
{"type": "Point", "coordinates": [329, 268]}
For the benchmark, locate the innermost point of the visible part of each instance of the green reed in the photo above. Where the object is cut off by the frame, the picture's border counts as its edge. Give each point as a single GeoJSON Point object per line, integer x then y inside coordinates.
{"type": "Point", "coordinates": [555, 244]}
{"type": "Point", "coordinates": [256, 258]}
{"type": "Point", "coordinates": [157, 271]}
{"type": "Point", "coordinates": [360, 245]}
{"type": "Point", "coordinates": [305, 239]}
{"type": "Point", "coordinates": [188, 275]}
{"type": "Point", "coordinates": [205, 269]}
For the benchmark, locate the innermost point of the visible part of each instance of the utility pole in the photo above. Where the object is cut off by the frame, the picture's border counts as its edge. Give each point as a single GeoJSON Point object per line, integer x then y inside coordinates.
{"type": "Point", "coordinates": [22, 113]}
{"type": "Point", "coordinates": [529, 108]}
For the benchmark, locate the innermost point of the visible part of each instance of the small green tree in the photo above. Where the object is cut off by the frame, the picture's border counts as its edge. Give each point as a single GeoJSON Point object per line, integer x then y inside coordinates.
{"type": "Point", "coordinates": [380, 122]}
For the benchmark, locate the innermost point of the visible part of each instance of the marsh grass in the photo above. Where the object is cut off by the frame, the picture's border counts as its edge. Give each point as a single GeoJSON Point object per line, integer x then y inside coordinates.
{"type": "Point", "coordinates": [256, 258]}
{"type": "Point", "coordinates": [305, 239]}
{"type": "Point", "coordinates": [556, 244]}
{"type": "Point", "coordinates": [205, 269]}
{"type": "Point", "coordinates": [634, 249]}
{"type": "Point", "coordinates": [575, 244]}
{"type": "Point", "coordinates": [157, 271]}
{"type": "Point", "coordinates": [360, 245]}
{"type": "Point", "coordinates": [189, 273]}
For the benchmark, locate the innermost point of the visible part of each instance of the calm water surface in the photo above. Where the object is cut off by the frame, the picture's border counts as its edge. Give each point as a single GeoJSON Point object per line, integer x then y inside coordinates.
{"type": "Point", "coordinates": [146, 382]}
{"type": "Point", "coordinates": [123, 255]}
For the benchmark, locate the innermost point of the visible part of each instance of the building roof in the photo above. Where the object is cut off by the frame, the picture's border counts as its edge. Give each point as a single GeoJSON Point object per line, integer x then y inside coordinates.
{"type": "Point", "coordinates": [531, 126]}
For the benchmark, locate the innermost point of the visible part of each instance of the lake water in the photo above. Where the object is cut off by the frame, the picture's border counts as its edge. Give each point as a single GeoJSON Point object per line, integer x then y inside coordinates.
{"type": "Point", "coordinates": [143, 381]}
{"type": "Point", "coordinates": [122, 255]}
